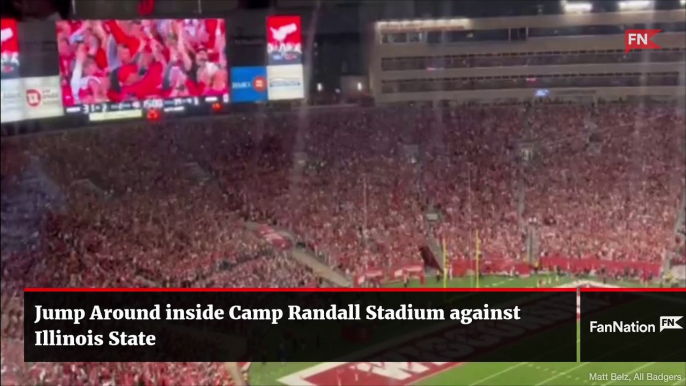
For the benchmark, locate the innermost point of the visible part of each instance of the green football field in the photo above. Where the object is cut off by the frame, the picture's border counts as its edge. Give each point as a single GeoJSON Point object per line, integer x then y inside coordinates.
{"type": "Point", "coordinates": [485, 374]}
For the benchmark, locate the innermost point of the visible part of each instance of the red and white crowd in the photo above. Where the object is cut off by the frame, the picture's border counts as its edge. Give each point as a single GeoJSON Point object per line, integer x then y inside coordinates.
{"type": "Point", "coordinates": [166, 204]}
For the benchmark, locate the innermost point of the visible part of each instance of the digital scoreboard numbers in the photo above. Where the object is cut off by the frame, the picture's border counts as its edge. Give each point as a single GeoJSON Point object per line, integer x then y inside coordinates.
{"type": "Point", "coordinates": [111, 111]}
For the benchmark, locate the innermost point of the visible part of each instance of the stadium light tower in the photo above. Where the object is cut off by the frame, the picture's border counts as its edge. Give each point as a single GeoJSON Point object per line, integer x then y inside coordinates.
{"type": "Point", "coordinates": [576, 7]}
{"type": "Point", "coordinates": [635, 5]}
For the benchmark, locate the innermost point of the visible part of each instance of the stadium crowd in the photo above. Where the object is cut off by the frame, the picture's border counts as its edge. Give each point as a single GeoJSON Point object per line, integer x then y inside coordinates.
{"type": "Point", "coordinates": [166, 204]}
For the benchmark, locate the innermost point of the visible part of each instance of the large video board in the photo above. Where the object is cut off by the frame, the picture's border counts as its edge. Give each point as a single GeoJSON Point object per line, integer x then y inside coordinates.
{"type": "Point", "coordinates": [285, 78]}
{"type": "Point", "coordinates": [114, 69]}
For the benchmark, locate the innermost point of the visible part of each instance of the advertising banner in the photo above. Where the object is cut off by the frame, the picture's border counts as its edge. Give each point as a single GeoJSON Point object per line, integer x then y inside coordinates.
{"type": "Point", "coordinates": [43, 97]}
{"type": "Point", "coordinates": [11, 105]}
{"type": "Point", "coordinates": [284, 40]}
{"type": "Point", "coordinates": [249, 84]}
{"type": "Point", "coordinates": [10, 49]}
{"type": "Point", "coordinates": [31, 98]}
{"type": "Point", "coordinates": [285, 82]}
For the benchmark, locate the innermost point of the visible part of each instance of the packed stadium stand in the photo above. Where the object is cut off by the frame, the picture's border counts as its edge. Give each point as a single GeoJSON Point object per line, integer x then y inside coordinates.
{"type": "Point", "coordinates": [137, 215]}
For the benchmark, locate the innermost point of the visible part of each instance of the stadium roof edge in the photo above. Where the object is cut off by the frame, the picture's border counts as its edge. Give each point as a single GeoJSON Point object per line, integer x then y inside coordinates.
{"type": "Point", "coordinates": [607, 18]}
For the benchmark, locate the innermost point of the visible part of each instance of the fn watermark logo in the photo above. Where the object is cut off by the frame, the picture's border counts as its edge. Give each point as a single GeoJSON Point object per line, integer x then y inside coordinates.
{"type": "Point", "coordinates": [670, 323]}
{"type": "Point", "coordinates": [640, 39]}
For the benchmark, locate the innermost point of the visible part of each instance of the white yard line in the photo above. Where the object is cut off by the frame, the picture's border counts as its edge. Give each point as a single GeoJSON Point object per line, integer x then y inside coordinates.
{"type": "Point", "coordinates": [499, 283]}
{"type": "Point", "coordinates": [298, 378]}
{"type": "Point", "coordinates": [558, 375]}
{"type": "Point", "coordinates": [504, 371]}
{"type": "Point", "coordinates": [568, 376]}
{"type": "Point", "coordinates": [499, 373]}
{"type": "Point", "coordinates": [427, 376]}
{"type": "Point", "coordinates": [587, 363]}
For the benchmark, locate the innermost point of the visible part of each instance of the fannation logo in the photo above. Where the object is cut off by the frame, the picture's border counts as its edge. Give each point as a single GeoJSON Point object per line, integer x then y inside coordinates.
{"type": "Point", "coordinates": [640, 39]}
{"type": "Point", "coordinates": [670, 323]}
{"type": "Point", "coordinates": [666, 323]}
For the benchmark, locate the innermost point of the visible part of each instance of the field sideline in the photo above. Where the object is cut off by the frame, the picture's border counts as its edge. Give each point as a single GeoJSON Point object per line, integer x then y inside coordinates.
{"type": "Point", "coordinates": [477, 374]}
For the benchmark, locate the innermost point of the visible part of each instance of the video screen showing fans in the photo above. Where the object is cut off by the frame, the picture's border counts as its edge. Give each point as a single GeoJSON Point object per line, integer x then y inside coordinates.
{"type": "Point", "coordinates": [10, 49]}
{"type": "Point", "coordinates": [133, 65]}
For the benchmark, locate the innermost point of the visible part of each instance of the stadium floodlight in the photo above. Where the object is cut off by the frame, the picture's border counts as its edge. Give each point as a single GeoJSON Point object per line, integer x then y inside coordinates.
{"type": "Point", "coordinates": [577, 7]}
{"type": "Point", "coordinates": [634, 5]}
{"type": "Point", "coordinates": [320, 87]}
{"type": "Point", "coordinates": [359, 86]}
